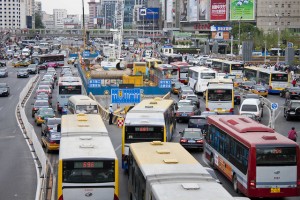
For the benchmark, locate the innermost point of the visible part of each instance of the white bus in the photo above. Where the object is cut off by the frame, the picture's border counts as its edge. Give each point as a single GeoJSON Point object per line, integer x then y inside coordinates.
{"type": "Point", "coordinates": [82, 104]}
{"type": "Point", "coordinates": [219, 96]}
{"type": "Point", "coordinates": [67, 87]}
{"type": "Point", "coordinates": [164, 171]}
{"type": "Point", "coordinates": [199, 77]}
{"type": "Point", "coordinates": [88, 165]}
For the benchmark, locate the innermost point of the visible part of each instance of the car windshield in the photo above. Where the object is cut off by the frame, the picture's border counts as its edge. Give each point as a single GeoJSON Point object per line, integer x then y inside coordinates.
{"type": "Point", "coordinates": [187, 92]}
{"type": "Point", "coordinates": [192, 134]}
{"type": "Point", "coordinates": [249, 108]}
{"type": "Point", "coordinates": [32, 66]}
{"type": "Point", "coordinates": [177, 85]}
{"type": "Point", "coordinates": [248, 83]}
{"type": "Point", "coordinates": [186, 109]}
{"type": "Point", "coordinates": [192, 98]}
{"type": "Point", "coordinates": [295, 104]}
{"type": "Point", "coordinates": [43, 87]}
{"type": "Point", "coordinates": [46, 112]}
{"type": "Point", "coordinates": [183, 103]}
{"type": "Point", "coordinates": [22, 70]}
{"type": "Point", "coordinates": [3, 86]}
{"type": "Point", "coordinates": [198, 121]}
{"type": "Point", "coordinates": [260, 88]}
{"type": "Point", "coordinates": [54, 121]}
{"type": "Point", "coordinates": [41, 103]}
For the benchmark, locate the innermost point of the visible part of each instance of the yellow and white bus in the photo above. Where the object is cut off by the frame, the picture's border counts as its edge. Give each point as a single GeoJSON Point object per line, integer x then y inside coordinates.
{"type": "Point", "coordinates": [165, 170]}
{"type": "Point", "coordinates": [152, 119]}
{"type": "Point", "coordinates": [88, 165]}
{"type": "Point", "coordinates": [82, 104]}
{"type": "Point", "coordinates": [219, 96]}
{"type": "Point", "coordinates": [229, 67]}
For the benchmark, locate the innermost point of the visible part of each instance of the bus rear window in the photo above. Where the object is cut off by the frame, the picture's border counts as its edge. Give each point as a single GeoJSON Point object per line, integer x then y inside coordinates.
{"type": "Point", "coordinates": [89, 171]}
{"type": "Point", "coordinates": [279, 77]}
{"type": "Point", "coordinates": [237, 67]}
{"type": "Point", "coordinates": [143, 133]}
{"type": "Point", "coordinates": [68, 89]}
{"type": "Point", "coordinates": [208, 75]}
{"type": "Point", "coordinates": [276, 156]}
{"type": "Point", "coordinates": [219, 95]}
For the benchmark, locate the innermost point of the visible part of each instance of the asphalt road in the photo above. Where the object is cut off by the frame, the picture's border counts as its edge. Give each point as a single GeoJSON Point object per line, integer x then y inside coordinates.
{"type": "Point", "coordinates": [18, 175]}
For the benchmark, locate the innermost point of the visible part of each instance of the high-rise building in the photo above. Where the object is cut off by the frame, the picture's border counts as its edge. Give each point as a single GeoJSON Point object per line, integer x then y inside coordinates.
{"type": "Point", "coordinates": [108, 8]}
{"type": "Point", "coordinates": [10, 15]}
{"type": "Point", "coordinates": [38, 7]}
{"type": "Point", "coordinates": [48, 20]}
{"type": "Point", "coordinates": [30, 13]}
{"type": "Point", "coordinates": [92, 12]}
{"type": "Point", "coordinates": [58, 16]}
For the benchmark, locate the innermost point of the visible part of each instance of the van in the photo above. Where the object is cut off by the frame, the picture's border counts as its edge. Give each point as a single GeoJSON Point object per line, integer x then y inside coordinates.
{"type": "Point", "coordinates": [252, 106]}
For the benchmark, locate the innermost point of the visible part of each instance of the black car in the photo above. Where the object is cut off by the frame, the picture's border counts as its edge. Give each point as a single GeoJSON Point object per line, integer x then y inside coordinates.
{"type": "Point", "coordinates": [22, 73]}
{"type": "Point", "coordinates": [32, 69]}
{"type": "Point", "coordinates": [237, 96]}
{"type": "Point", "coordinates": [200, 121]}
{"type": "Point", "coordinates": [4, 89]}
{"type": "Point", "coordinates": [291, 109]}
{"type": "Point", "coordinates": [294, 92]}
{"type": "Point", "coordinates": [3, 73]}
{"type": "Point", "coordinates": [192, 138]}
{"type": "Point", "coordinates": [2, 64]}
{"type": "Point", "coordinates": [184, 113]}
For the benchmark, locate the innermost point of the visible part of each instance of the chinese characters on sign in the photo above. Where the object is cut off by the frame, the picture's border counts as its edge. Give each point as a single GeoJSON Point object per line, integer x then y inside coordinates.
{"type": "Point", "coordinates": [165, 84]}
{"type": "Point", "coordinates": [218, 10]}
{"type": "Point", "coordinates": [95, 83]}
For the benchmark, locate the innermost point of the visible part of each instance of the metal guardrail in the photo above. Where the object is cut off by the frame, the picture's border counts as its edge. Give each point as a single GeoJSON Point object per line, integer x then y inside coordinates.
{"type": "Point", "coordinates": [41, 159]}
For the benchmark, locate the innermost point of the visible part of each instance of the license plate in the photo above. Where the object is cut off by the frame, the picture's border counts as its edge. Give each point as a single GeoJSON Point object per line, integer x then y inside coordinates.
{"type": "Point", "coordinates": [191, 141]}
{"type": "Point", "coordinates": [275, 190]}
{"type": "Point", "coordinates": [184, 115]}
{"type": "Point", "coordinates": [220, 109]}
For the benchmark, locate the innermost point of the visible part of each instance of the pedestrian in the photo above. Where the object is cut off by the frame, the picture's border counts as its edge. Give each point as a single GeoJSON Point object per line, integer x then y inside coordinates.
{"type": "Point", "coordinates": [111, 114]}
{"type": "Point", "coordinates": [294, 82]}
{"type": "Point", "coordinates": [292, 134]}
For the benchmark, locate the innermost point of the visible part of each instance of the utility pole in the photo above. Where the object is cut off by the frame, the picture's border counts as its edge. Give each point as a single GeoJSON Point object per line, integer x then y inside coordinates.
{"type": "Point", "coordinates": [278, 51]}
{"type": "Point", "coordinates": [83, 26]}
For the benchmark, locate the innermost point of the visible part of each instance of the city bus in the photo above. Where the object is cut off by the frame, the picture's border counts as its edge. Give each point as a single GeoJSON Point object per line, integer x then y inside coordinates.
{"type": "Point", "coordinates": [88, 165]}
{"type": "Point", "coordinates": [229, 67]}
{"type": "Point", "coordinates": [183, 68]}
{"type": "Point", "coordinates": [199, 77]}
{"type": "Point", "coordinates": [273, 81]}
{"type": "Point", "coordinates": [82, 104]}
{"type": "Point", "coordinates": [169, 58]}
{"type": "Point", "coordinates": [151, 119]}
{"type": "Point", "coordinates": [67, 87]}
{"type": "Point", "coordinates": [259, 162]}
{"type": "Point", "coordinates": [162, 72]}
{"type": "Point", "coordinates": [219, 96]}
{"type": "Point", "coordinates": [165, 170]}
{"type": "Point", "coordinates": [40, 59]}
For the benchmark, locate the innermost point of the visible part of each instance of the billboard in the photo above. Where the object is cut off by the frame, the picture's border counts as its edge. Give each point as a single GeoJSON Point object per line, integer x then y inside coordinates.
{"type": "Point", "coordinates": [218, 10]}
{"type": "Point", "coordinates": [183, 10]}
{"type": "Point", "coordinates": [169, 13]}
{"type": "Point", "coordinates": [220, 35]}
{"type": "Point", "coordinates": [152, 13]}
{"type": "Point", "coordinates": [242, 9]}
{"type": "Point", "coordinates": [193, 10]}
{"type": "Point", "coordinates": [203, 10]}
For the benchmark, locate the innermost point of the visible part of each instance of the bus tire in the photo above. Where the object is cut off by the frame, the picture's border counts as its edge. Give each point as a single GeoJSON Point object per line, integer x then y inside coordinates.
{"type": "Point", "coordinates": [235, 184]}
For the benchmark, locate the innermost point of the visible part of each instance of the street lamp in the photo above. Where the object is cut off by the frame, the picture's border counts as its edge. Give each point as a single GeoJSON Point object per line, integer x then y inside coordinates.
{"type": "Point", "coordinates": [278, 51]}
{"type": "Point", "coordinates": [239, 35]}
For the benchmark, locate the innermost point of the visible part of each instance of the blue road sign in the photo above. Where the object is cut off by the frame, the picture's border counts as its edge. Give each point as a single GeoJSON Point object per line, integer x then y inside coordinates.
{"type": "Point", "coordinates": [86, 54]}
{"type": "Point", "coordinates": [165, 83]}
{"type": "Point", "coordinates": [274, 106]}
{"type": "Point", "coordinates": [126, 95]}
{"type": "Point", "coordinates": [94, 83]}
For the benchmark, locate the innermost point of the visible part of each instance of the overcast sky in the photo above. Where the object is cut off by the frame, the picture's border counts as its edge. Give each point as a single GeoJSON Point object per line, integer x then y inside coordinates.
{"type": "Point", "coordinates": [72, 6]}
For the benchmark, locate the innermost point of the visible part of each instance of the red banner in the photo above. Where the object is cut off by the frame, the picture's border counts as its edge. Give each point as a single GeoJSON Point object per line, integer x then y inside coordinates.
{"type": "Point", "coordinates": [218, 10]}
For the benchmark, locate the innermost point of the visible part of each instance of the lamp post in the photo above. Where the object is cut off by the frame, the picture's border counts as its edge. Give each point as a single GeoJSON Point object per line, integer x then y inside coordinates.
{"type": "Point", "coordinates": [239, 35]}
{"type": "Point", "coordinates": [278, 29]}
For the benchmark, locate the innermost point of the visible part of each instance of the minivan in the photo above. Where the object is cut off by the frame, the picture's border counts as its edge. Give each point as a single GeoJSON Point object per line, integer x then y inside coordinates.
{"type": "Point", "coordinates": [252, 106]}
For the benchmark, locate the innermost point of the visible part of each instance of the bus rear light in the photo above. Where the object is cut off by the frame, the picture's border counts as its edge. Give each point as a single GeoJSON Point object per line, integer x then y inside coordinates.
{"type": "Point", "coordinates": [191, 114]}
{"type": "Point", "coordinates": [207, 109]}
{"type": "Point", "coordinates": [183, 140]}
{"type": "Point", "coordinates": [231, 110]}
{"type": "Point", "coordinates": [298, 183]}
{"type": "Point", "coordinates": [252, 183]}
{"type": "Point", "coordinates": [177, 114]}
{"type": "Point", "coordinates": [52, 142]}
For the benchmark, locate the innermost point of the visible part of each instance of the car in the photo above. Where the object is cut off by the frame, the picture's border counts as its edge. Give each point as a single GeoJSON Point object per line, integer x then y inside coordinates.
{"type": "Point", "coordinates": [237, 96]}
{"type": "Point", "coordinates": [22, 63]}
{"type": "Point", "coordinates": [4, 89]}
{"type": "Point", "coordinates": [51, 140]}
{"type": "Point", "coordinates": [194, 61]}
{"type": "Point", "coordinates": [22, 73]}
{"type": "Point", "coordinates": [184, 92]}
{"type": "Point", "coordinates": [2, 63]}
{"type": "Point", "coordinates": [32, 69]}
{"type": "Point", "coordinates": [183, 103]}
{"type": "Point", "coordinates": [175, 87]}
{"type": "Point", "coordinates": [71, 60]}
{"type": "Point", "coordinates": [294, 92]}
{"type": "Point", "coordinates": [35, 54]}
{"type": "Point", "coordinates": [44, 88]}
{"type": "Point", "coordinates": [49, 79]}
{"type": "Point", "coordinates": [237, 82]}
{"type": "Point", "coordinates": [194, 99]}
{"type": "Point", "coordinates": [252, 106]}
{"type": "Point", "coordinates": [192, 138]}
{"type": "Point", "coordinates": [200, 121]}
{"type": "Point", "coordinates": [17, 54]}
{"type": "Point", "coordinates": [259, 89]}
{"type": "Point", "coordinates": [52, 64]}
{"type": "Point", "coordinates": [291, 109]}
{"type": "Point", "coordinates": [42, 114]}
{"type": "Point", "coordinates": [53, 74]}
{"type": "Point", "coordinates": [39, 104]}
{"type": "Point", "coordinates": [3, 72]}
{"type": "Point", "coordinates": [247, 85]}
{"type": "Point", "coordinates": [50, 124]}
{"type": "Point", "coordinates": [43, 96]}
{"type": "Point", "coordinates": [66, 70]}
{"type": "Point", "coordinates": [184, 113]}
{"type": "Point", "coordinates": [45, 82]}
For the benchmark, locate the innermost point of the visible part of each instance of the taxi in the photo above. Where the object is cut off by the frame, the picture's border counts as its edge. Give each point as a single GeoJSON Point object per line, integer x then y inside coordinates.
{"type": "Point", "coordinates": [51, 140]}
{"type": "Point", "coordinates": [260, 90]}
{"type": "Point", "coordinates": [42, 114]}
{"type": "Point", "coordinates": [175, 87]}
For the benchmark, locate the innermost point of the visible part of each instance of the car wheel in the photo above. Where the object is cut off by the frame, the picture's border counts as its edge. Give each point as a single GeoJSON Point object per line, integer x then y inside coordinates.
{"type": "Point", "coordinates": [287, 117]}
{"type": "Point", "coordinates": [235, 183]}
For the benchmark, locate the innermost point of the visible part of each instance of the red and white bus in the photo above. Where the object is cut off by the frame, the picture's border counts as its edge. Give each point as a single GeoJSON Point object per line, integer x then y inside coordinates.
{"type": "Point", "coordinates": [183, 69]}
{"type": "Point", "coordinates": [162, 72]}
{"type": "Point", "coordinates": [259, 161]}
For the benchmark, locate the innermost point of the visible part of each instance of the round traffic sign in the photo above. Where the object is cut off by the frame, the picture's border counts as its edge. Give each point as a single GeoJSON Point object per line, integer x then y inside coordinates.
{"type": "Point", "coordinates": [274, 106]}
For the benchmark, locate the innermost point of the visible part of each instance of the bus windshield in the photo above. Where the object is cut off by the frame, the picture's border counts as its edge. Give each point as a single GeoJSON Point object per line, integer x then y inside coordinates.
{"type": "Point", "coordinates": [279, 77]}
{"type": "Point", "coordinates": [68, 89]}
{"type": "Point", "coordinates": [276, 156]}
{"type": "Point", "coordinates": [219, 94]}
{"type": "Point", "coordinates": [208, 75]}
{"type": "Point", "coordinates": [88, 171]}
{"type": "Point", "coordinates": [143, 133]}
{"type": "Point", "coordinates": [237, 67]}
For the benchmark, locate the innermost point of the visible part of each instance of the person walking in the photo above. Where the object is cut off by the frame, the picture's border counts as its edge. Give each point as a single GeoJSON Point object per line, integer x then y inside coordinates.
{"type": "Point", "coordinates": [111, 114]}
{"type": "Point", "coordinates": [292, 134]}
{"type": "Point", "coordinates": [294, 82]}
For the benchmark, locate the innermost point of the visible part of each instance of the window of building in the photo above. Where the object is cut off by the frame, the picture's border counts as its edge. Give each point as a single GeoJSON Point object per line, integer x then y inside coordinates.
{"type": "Point", "coordinates": [282, 23]}
{"type": "Point", "coordinates": [282, 5]}
{"type": "Point", "coordinates": [289, 14]}
{"type": "Point", "coordinates": [276, 5]}
{"type": "Point", "coordinates": [282, 14]}
{"type": "Point", "coordinates": [288, 23]}
{"type": "Point", "coordinates": [289, 5]}
{"type": "Point", "coordinates": [275, 23]}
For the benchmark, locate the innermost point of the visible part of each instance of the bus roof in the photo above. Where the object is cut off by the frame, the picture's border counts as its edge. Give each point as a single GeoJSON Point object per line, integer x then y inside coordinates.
{"type": "Point", "coordinates": [247, 130]}
{"type": "Point", "coordinates": [144, 119]}
{"type": "Point", "coordinates": [69, 80]}
{"type": "Point", "coordinates": [86, 147]}
{"type": "Point", "coordinates": [166, 66]}
{"type": "Point", "coordinates": [153, 105]}
{"type": "Point", "coordinates": [82, 100]}
{"type": "Point", "coordinates": [82, 124]}
{"type": "Point", "coordinates": [265, 70]}
{"type": "Point", "coordinates": [202, 69]}
{"type": "Point", "coordinates": [181, 64]}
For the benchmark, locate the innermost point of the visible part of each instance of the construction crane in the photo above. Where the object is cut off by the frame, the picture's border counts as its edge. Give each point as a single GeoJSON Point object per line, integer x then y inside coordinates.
{"type": "Point", "coordinates": [118, 36]}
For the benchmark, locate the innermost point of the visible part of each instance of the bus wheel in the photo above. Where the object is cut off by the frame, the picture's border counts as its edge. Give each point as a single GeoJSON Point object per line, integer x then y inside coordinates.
{"type": "Point", "coordinates": [235, 184]}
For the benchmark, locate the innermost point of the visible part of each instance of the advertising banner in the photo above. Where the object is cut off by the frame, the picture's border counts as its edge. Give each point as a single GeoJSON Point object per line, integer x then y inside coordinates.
{"type": "Point", "coordinates": [242, 9]}
{"type": "Point", "coordinates": [203, 9]}
{"type": "Point", "coordinates": [183, 10]}
{"type": "Point", "coordinates": [220, 35]}
{"type": "Point", "coordinates": [193, 10]}
{"type": "Point", "coordinates": [169, 13]}
{"type": "Point", "coordinates": [218, 10]}
{"type": "Point", "coordinates": [152, 13]}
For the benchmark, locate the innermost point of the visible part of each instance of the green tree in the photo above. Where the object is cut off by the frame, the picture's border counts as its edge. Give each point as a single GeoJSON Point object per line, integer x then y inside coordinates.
{"type": "Point", "coordinates": [38, 21]}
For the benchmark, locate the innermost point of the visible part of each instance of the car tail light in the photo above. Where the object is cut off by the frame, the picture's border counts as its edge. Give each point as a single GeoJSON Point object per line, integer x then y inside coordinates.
{"type": "Point", "coordinates": [39, 118]}
{"type": "Point", "coordinates": [52, 142]}
{"type": "Point", "coordinates": [207, 109]}
{"type": "Point", "coordinates": [252, 183]}
{"type": "Point", "coordinates": [61, 197]}
{"type": "Point", "coordinates": [35, 109]}
{"type": "Point", "coordinates": [183, 140]}
{"type": "Point", "coordinates": [231, 110]}
{"type": "Point", "coordinates": [238, 97]}
{"type": "Point", "coordinates": [177, 114]}
{"type": "Point", "coordinates": [49, 128]}
{"type": "Point", "coordinates": [293, 92]}
{"type": "Point", "coordinates": [199, 141]}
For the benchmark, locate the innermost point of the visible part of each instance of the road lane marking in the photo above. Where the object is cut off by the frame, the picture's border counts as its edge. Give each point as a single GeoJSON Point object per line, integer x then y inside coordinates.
{"type": "Point", "coordinates": [1, 108]}
{"type": "Point", "coordinates": [116, 149]}
{"type": "Point", "coordinates": [11, 96]}
{"type": "Point", "coordinates": [7, 137]}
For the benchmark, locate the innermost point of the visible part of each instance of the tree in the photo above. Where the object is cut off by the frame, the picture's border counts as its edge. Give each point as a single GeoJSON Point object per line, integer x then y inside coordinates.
{"type": "Point", "coordinates": [38, 21]}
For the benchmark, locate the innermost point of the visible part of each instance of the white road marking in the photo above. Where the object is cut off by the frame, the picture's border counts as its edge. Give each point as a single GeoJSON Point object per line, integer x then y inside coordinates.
{"type": "Point", "coordinates": [116, 149]}
{"type": "Point", "coordinates": [1, 108]}
{"type": "Point", "coordinates": [7, 137]}
{"type": "Point", "coordinates": [18, 88]}
{"type": "Point", "coordinates": [11, 96]}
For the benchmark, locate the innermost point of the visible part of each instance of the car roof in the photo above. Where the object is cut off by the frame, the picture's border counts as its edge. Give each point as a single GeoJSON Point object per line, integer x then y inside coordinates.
{"type": "Point", "coordinates": [191, 129]}
{"type": "Point", "coordinates": [199, 117]}
{"type": "Point", "coordinates": [251, 101]}
{"type": "Point", "coordinates": [3, 84]}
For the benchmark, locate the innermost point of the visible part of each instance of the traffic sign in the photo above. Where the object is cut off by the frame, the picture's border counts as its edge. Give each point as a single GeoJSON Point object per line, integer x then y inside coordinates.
{"type": "Point", "coordinates": [86, 54]}
{"type": "Point", "coordinates": [94, 83]}
{"type": "Point", "coordinates": [126, 95]}
{"type": "Point", "coordinates": [274, 106]}
{"type": "Point", "coordinates": [165, 83]}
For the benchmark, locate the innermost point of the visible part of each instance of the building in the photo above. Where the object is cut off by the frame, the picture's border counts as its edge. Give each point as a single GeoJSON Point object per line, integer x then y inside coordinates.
{"type": "Point", "coordinates": [108, 8]}
{"type": "Point", "coordinates": [30, 13]}
{"type": "Point", "coordinates": [58, 16]}
{"type": "Point", "coordinates": [128, 13]}
{"type": "Point", "coordinates": [272, 14]}
{"type": "Point", "coordinates": [92, 13]}
{"type": "Point", "coordinates": [72, 22]}
{"type": "Point", "coordinates": [10, 15]}
{"type": "Point", "coordinates": [38, 7]}
{"type": "Point", "coordinates": [48, 20]}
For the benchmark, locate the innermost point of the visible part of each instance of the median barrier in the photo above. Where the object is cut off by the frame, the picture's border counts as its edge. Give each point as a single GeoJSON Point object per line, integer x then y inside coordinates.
{"type": "Point", "coordinates": [167, 96]}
